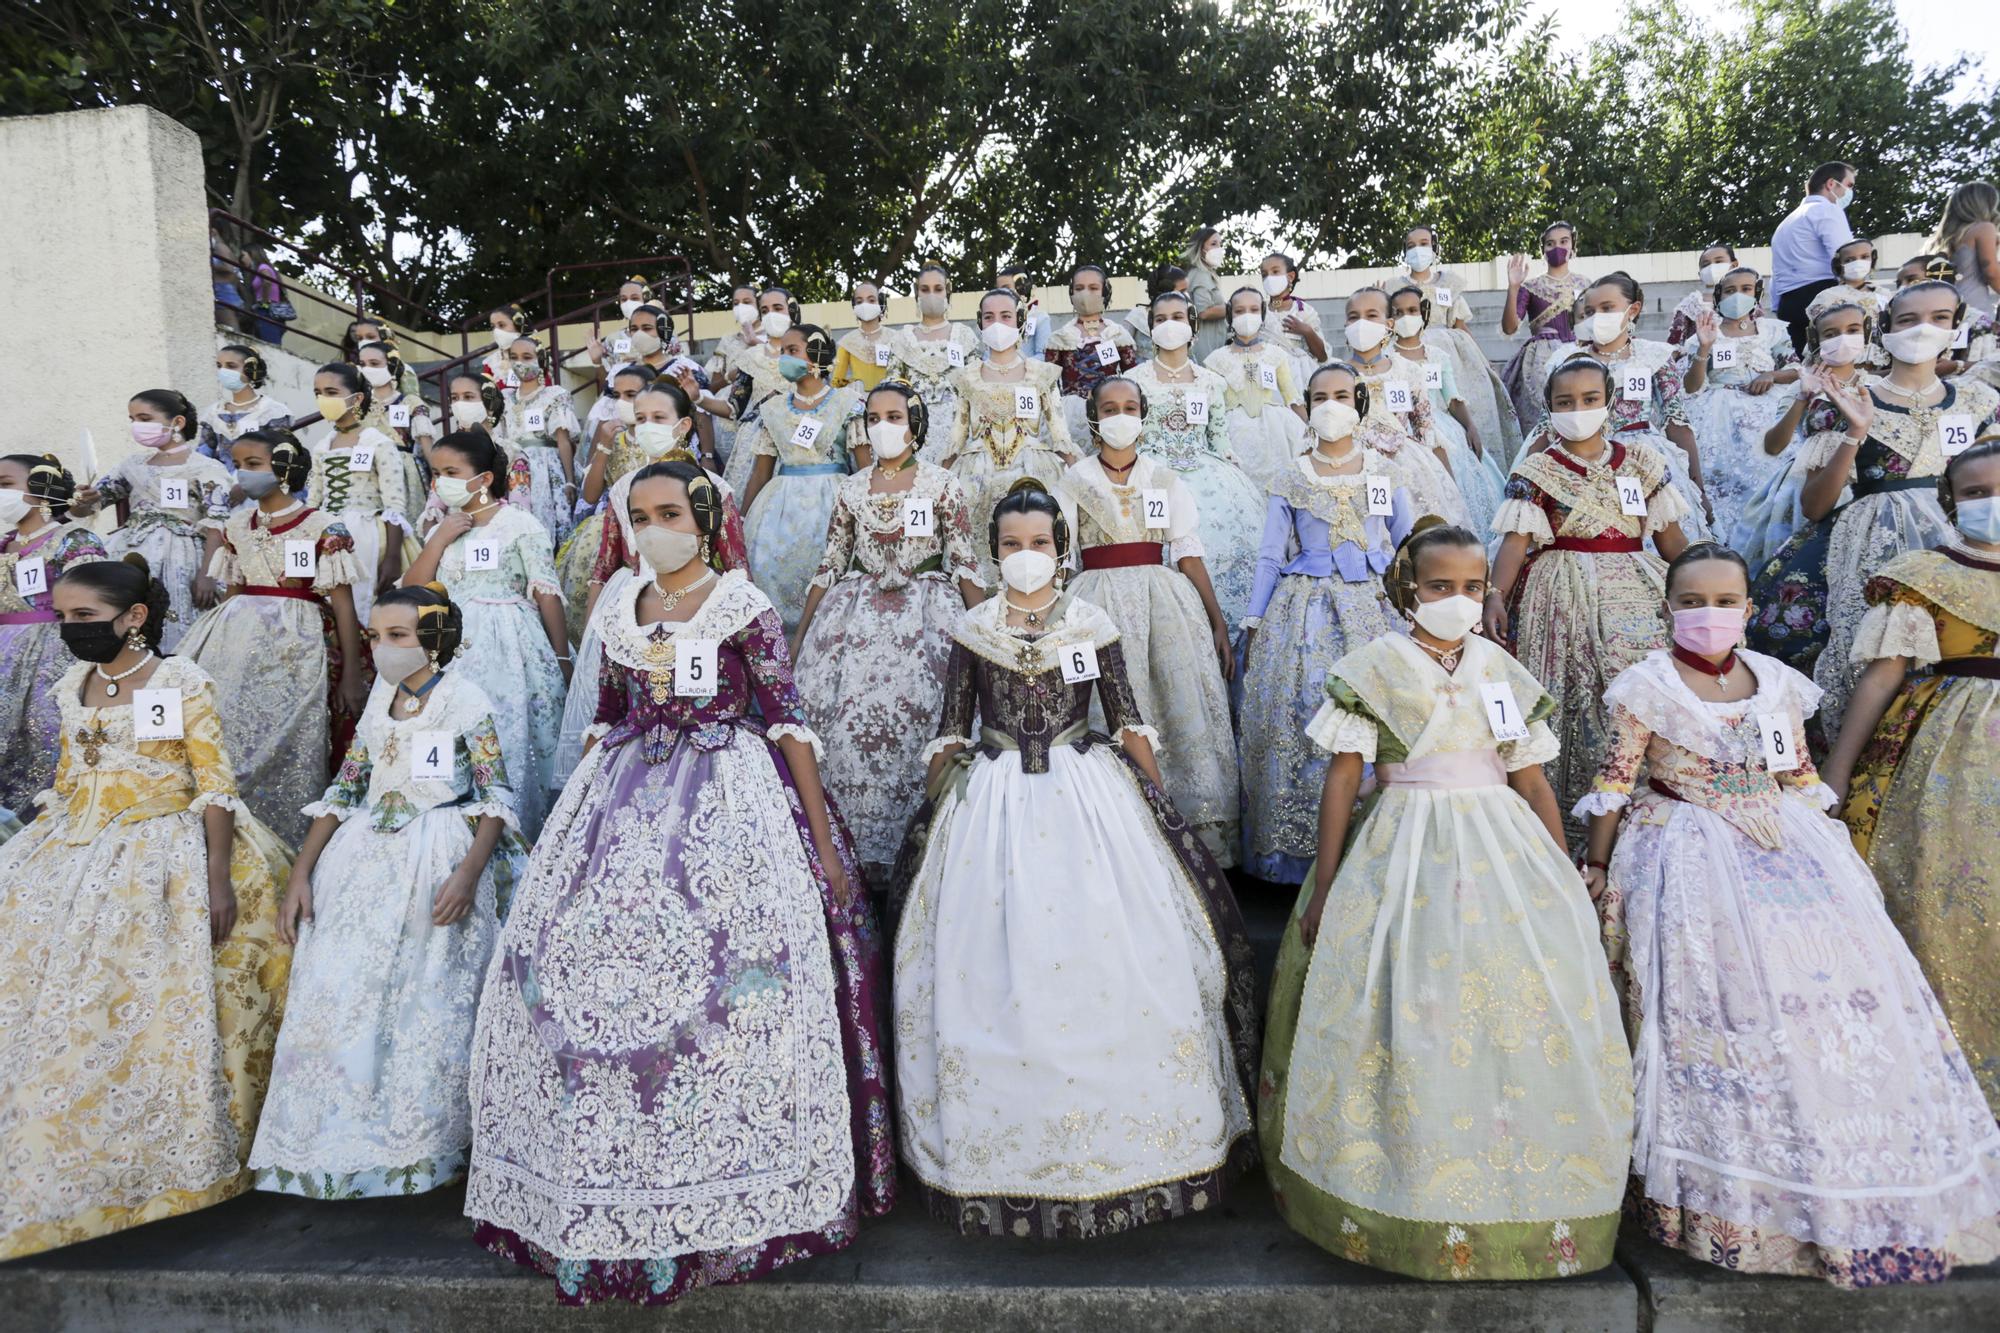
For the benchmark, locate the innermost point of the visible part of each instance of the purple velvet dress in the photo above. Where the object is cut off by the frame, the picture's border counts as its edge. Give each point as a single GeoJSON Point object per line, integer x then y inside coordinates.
{"type": "Point", "coordinates": [678, 1078]}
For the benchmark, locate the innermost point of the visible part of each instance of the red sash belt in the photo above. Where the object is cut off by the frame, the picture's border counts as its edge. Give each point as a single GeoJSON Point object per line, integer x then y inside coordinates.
{"type": "Point", "coordinates": [260, 590]}
{"type": "Point", "coordinates": [1599, 544]}
{"type": "Point", "coordinates": [1122, 555]}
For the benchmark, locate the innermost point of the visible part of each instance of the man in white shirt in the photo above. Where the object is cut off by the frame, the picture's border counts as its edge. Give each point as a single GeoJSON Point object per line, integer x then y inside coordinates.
{"type": "Point", "coordinates": [1803, 247]}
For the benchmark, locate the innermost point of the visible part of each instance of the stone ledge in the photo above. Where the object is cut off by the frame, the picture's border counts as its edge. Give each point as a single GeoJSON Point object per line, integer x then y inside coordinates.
{"type": "Point", "coordinates": [1682, 1295]}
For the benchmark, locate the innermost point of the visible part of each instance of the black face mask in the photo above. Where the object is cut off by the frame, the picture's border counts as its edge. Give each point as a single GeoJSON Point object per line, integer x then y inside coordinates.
{"type": "Point", "coordinates": [91, 640]}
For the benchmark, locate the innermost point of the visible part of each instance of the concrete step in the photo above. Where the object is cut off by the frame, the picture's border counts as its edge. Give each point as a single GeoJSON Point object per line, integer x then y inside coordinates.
{"type": "Point", "coordinates": [265, 1262]}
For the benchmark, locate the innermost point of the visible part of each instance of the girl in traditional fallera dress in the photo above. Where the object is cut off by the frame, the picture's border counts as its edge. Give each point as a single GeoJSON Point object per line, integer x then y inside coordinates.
{"type": "Point", "coordinates": [1548, 303]}
{"type": "Point", "coordinates": [1290, 322]}
{"type": "Point", "coordinates": [801, 442]}
{"type": "Point", "coordinates": [721, 1110]}
{"type": "Point", "coordinates": [1887, 453]}
{"type": "Point", "coordinates": [1317, 598]}
{"type": "Point", "coordinates": [1259, 393]}
{"type": "Point", "coordinates": [1740, 379]}
{"type": "Point", "coordinates": [1575, 593]}
{"type": "Point", "coordinates": [38, 541]}
{"type": "Point", "coordinates": [1649, 399]}
{"type": "Point", "coordinates": [1138, 541]}
{"type": "Point", "coordinates": [402, 415]}
{"type": "Point", "coordinates": [495, 562]}
{"type": "Point", "coordinates": [1091, 346]}
{"type": "Point", "coordinates": [614, 452]}
{"type": "Point", "coordinates": [358, 479]}
{"type": "Point", "coordinates": [866, 353]}
{"type": "Point", "coordinates": [242, 374]}
{"type": "Point", "coordinates": [1446, 1093]}
{"type": "Point", "coordinates": [1398, 409]}
{"type": "Point", "coordinates": [172, 504]}
{"type": "Point", "coordinates": [1185, 430]}
{"type": "Point", "coordinates": [1711, 266]}
{"type": "Point", "coordinates": [1448, 321]}
{"type": "Point", "coordinates": [1802, 1106]}
{"type": "Point", "coordinates": [875, 635]}
{"type": "Point", "coordinates": [1915, 755]}
{"type": "Point", "coordinates": [139, 964]}
{"type": "Point", "coordinates": [1010, 422]}
{"type": "Point", "coordinates": [1479, 479]}
{"type": "Point", "coordinates": [540, 425]}
{"type": "Point", "coordinates": [1853, 263]}
{"type": "Point", "coordinates": [1837, 341]}
{"type": "Point", "coordinates": [476, 403]}
{"type": "Point", "coordinates": [1110, 1091]}
{"type": "Point", "coordinates": [931, 352]}
{"type": "Point", "coordinates": [393, 907]}
{"type": "Point", "coordinates": [283, 649]}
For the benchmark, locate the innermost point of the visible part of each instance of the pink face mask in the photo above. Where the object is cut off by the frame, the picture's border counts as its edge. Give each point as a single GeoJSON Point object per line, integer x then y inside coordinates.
{"type": "Point", "coordinates": [153, 434]}
{"type": "Point", "coordinates": [1707, 630]}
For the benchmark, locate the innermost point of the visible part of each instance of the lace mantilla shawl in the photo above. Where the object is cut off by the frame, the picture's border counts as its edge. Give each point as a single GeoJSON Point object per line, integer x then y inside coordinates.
{"type": "Point", "coordinates": [983, 631]}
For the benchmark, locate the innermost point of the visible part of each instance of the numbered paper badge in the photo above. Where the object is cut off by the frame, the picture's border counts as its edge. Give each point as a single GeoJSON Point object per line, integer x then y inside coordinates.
{"type": "Point", "coordinates": [1955, 433]}
{"type": "Point", "coordinates": [433, 757]}
{"type": "Point", "coordinates": [954, 354]}
{"type": "Point", "coordinates": [481, 552]}
{"type": "Point", "coordinates": [621, 347]}
{"type": "Point", "coordinates": [1723, 356]}
{"type": "Point", "coordinates": [806, 433]}
{"type": "Point", "coordinates": [1154, 503]}
{"type": "Point", "coordinates": [1267, 377]}
{"type": "Point", "coordinates": [882, 354]}
{"type": "Point", "coordinates": [1396, 397]}
{"type": "Point", "coordinates": [1635, 384]}
{"type": "Point", "coordinates": [1107, 353]}
{"type": "Point", "coordinates": [399, 415]}
{"type": "Point", "coordinates": [174, 493]}
{"type": "Point", "coordinates": [1442, 298]}
{"type": "Point", "coordinates": [1963, 338]}
{"type": "Point", "coordinates": [156, 715]}
{"type": "Point", "coordinates": [1197, 409]}
{"type": "Point", "coordinates": [1027, 404]}
{"type": "Point", "coordinates": [694, 666]}
{"type": "Point", "coordinates": [1380, 496]}
{"type": "Point", "coordinates": [1079, 662]}
{"type": "Point", "coordinates": [1433, 376]}
{"type": "Point", "coordinates": [1780, 751]}
{"type": "Point", "coordinates": [361, 458]}
{"type": "Point", "coordinates": [1503, 714]}
{"type": "Point", "coordinates": [919, 519]}
{"type": "Point", "coordinates": [301, 559]}
{"type": "Point", "coordinates": [31, 576]}
{"type": "Point", "coordinates": [1028, 329]}
{"type": "Point", "coordinates": [1631, 496]}
{"type": "Point", "coordinates": [534, 420]}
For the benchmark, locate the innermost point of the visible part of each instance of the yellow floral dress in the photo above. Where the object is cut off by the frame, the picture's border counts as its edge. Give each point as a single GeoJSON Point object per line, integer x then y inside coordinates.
{"type": "Point", "coordinates": [1924, 804]}
{"type": "Point", "coordinates": [134, 1055]}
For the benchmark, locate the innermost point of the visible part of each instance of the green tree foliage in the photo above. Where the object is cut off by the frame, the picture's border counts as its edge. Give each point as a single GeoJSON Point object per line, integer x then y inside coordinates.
{"type": "Point", "coordinates": [457, 148]}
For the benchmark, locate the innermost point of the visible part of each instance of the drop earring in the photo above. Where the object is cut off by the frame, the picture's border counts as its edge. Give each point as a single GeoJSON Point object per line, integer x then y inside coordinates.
{"type": "Point", "coordinates": [135, 639]}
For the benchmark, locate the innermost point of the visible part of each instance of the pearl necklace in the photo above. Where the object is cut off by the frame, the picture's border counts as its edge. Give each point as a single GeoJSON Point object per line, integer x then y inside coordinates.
{"type": "Point", "coordinates": [1033, 615]}
{"type": "Point", "coordinates": [670, 600]}
{"type": "Point", "coordinates": [1332, 460]}
{"type": "Point", "coordinates": [1446, 658]}
{"type": "Point", "coordinates": [111, 682]}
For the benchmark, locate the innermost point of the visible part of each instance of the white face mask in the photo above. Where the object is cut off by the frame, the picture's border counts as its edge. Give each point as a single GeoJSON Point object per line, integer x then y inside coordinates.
{"type": "Point", "coordinates": [1574, 426]}
{"type": "Point", "coordinates": [1087, 303]}
{"type": "Point", "coordinates": [1409, 326]}
{"type": "Point", "coordinates": [1247, 324]}
{"type": "Point", "coordinates": [1171, 335]}
{"type": "Point", "coordinates": [645, 342]}
{"type": "Point", "coordinates": [1213, 256]}
{"type": "Point", "coordinates": [454, 491]}
{"type": "Point", "coordinates": [1604, 326]}
{"type": "Point", "coordinates": [889, 439]}
{"type": "Point", "coordinates": [13, 507]}
{"type": "Point", "coordinates": [655, 438]}
{"type": "Point", "coordinates": [1854, 270]}
{"type": "Point", "coordinates": [1715, 272]}
{"type": "Point", "coordinates": [1920, 344]}
{"type": "Point", "coordinates": [746, 314]}
{"type": "Point", "coordinates": [868, 311]}
{"type": "Point", "coordinates": [1419, 258]}
{"type": "Point", "coordinates": [1449, 618]}
{"type": "Point", "coordinates": [1843, 349]}
{"type": "Point", "coordinates": [1334, 420]}
{"type": "Point", "coordinates": [375, 375]}
{"type": "Point", "coordinates": [666, 549]}
{"type": "Point", "coordinates": [464, 413]}
{"type": "Point", "coordinates": [1028, 571]}
{"type": "Point", "coordinates": [399, 661]}
{"type": "Point", "coordinates": [627, 413]}
{"type": "Point", "coordinates": [933, 305]}
{"type": "Point", "coordinates": [999, 336]}
{"type": "Point", "coordinates": [776, 323]}
{"type": "Point", "coordinates": [1121, 431]}
{"type": "Point", "coordinates": [625, 308]}
{"type": "Point", "coordinates": [1275, 284]}
{"type": "Point", "coordinates": [1365, 334]}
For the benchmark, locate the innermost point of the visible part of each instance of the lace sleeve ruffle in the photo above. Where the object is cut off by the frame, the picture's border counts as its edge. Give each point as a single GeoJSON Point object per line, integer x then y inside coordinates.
{"type": "Point", "coordinates": [545, 587]}
{"type": "Point", "coordinates": [222, 567]}
{"type": "Point", "coordinates": [1819, 794]}
{"type": "Point", "coordinates": [1186, 547]}
{"type": "Point", "coordinates": [1603, 801]}
{"type": "Point", "coordinates": [1338, 731]}
{"type": "Point", "coordinates": [941, 744]}
{"type": "Point", "coordinates": [596, 731]}
{"type": "Point", "coordinates": [1539, 747]}
{"type": "Point", "coordinates": [337, 809]}
{"type": "Point", "coordinates": [1151, 736]}
{"type": "Point", "coordinates": [1667, 505]}
{"type": "Point", "coordinates": [336, 569]}
{"type": "Point", "coordinates": [494, 807]}
{"type": "Point", "coordinates": [793, 731]}
{"type": "Point", "coordinates": [1896, 629]}
{"type": "Point", "coordinates": [222, 800]}
{"type": "Point", "coordinates": [1818, 450]}
{"type": "Point", "coordinates": [1523, 516]}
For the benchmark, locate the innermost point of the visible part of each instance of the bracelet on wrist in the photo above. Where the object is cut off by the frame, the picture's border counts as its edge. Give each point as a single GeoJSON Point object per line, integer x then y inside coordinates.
{"type": "Point", "coordinates": [1585, 863]}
